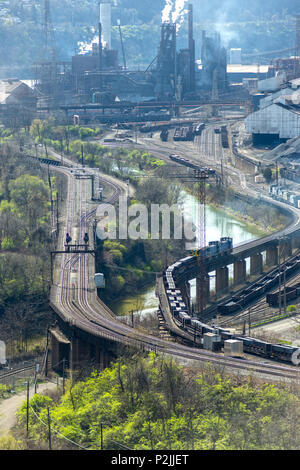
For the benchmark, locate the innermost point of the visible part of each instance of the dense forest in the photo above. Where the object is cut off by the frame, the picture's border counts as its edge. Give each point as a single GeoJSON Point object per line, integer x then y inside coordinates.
{"type": "Point", "coordinates": [25, 243]}
{"type": "Point", "coordinates": [259, 27]}
{"type": "Point", "coordinates": [151, 403]}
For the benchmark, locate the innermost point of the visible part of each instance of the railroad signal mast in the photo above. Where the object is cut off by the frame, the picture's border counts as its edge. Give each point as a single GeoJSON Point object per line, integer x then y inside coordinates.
{"type": "Point", "coordinates": [202, 177]}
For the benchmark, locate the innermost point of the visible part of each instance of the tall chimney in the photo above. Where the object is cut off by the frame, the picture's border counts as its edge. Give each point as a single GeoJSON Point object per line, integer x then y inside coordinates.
{"type": "Point", "coordinates": [100, 46]}
{"type": "Point", "coordinates": [297, 35]}
{"type": "Point", "coordinates": [105, 20]}
{"type": "Point", "coordinates": [192, 48]}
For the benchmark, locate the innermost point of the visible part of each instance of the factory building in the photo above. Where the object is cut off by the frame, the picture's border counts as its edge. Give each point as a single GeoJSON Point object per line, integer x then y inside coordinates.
{"type": "Point", "coordinates": [214, 63]}
{"type": "Point", "coordinates": [96, 76]}
{"type": "Point", "coordinates": [237, 72]}
{"type": "Point", "coordinates": [175, 73]}
{"type": "Point", "coordinates": [16, 92]}
{"type": "Point", "coordinates": [271, 98]}
{"type": "Point", "coordinates": [273, 83]}
{"type": "Point", "coordinates": [274, 123]}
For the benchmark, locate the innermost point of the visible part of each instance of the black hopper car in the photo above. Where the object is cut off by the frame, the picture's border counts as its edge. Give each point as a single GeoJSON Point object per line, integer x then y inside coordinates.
{"type": "Point", "coordinates": [184, 134]}
{"type": "Point", "coordinates": [182, 318]}
{"type": "Point", "coordinates": [164, 135]}
{"type": "Point", "coordinates": [289, 293]}
{"type": "Point", "coordinates": [224, 137]}
{"type": "Point", "coordinates": [190, 164]}
{"type": "Point", "coordinates": [244, 298]}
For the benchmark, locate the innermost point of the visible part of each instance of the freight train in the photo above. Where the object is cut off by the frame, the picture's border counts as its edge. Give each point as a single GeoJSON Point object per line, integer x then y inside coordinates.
{"type": "Point", "coordinates": [180, 311]}
{"type": "Point", "coordinates": [184, 134]}
{"type": "Point", "coordinates": [190, 164]}
{"type": "Point", "coordinates": [288, 293]}
{"type": "Point", "coordinates": [164, 135]}
{"type": "Point", "coordinates": [224, 137]}
{"type": "Point", "coordinates": [289, 174]}
{"type": "Point", "coordinates": [175, 274]}
{"type": "Point", "coordinates": [188, 133]}
{"type": "Point", "coordinates": [245, 297]}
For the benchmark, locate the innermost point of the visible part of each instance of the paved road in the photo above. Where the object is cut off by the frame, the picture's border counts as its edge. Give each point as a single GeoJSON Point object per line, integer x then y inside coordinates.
{"type": "Point", "coordinates": [10, 406]}
{"type": "Point", "coordinates": [283, 329]}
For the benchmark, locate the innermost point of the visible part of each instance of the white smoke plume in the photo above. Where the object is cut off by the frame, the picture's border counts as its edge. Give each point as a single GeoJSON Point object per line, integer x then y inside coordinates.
{"type": "Point", "coordinates": [179, 11]}
{"type": "Point", "coordinates": [166, 13]}
{"type": "Point", "coordinates": [174, 11]}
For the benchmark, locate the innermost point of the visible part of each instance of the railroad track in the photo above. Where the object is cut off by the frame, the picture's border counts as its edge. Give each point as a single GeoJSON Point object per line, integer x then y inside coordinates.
{"type": "Point", "coordinates": [77, 303]}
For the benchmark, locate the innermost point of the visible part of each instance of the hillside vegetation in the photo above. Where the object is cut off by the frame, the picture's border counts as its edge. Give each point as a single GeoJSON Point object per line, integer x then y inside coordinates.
{"type": "Point", "coordinates": [151, 403]}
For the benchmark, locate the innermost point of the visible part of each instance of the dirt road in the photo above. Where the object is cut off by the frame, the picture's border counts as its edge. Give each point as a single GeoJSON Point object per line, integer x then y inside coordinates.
{"type": "Point", "coordinates": [10, 406]}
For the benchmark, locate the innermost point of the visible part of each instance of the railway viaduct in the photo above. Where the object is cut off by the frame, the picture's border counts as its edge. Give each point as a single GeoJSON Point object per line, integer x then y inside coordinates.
{"type": "Point", "coordinates": [277, 248]}
{"type": "Point", "coordinates": [86, 331]}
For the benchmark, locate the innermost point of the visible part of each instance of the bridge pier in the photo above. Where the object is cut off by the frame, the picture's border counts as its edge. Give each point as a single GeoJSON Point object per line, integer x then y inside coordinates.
{"type": "Point", "coordinates": [185, 289]}
{"type": "Point", "coordinates": [202, 299]}
{"type": "Point", "coordinates": [239, 270]}
{"type": "Point", "coordinates": [71, 351]}
{"type": "Point", "coordinates": [286, 249]}
{"type": "Point", "coordinates": [222, 281]}
{"type": "Point", "coordinates": [256, 264]}
{"type": "Point", "coordinates": [272, 256]}
{"type": "Point", "coordinates": [296, 243]}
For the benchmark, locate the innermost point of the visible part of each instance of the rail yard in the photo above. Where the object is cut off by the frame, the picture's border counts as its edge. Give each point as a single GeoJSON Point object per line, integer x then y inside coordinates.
{"type": "Point", "coordinates": [74, 297]}
{"type": "Point", "coordinates": [150, 224]}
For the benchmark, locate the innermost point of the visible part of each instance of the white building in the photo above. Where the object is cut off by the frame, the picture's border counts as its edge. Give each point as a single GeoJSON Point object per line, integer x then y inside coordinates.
{"type": "Point", "coordinates": [269, 99]}
{"type": "Point", "coordinates": [272, 83]}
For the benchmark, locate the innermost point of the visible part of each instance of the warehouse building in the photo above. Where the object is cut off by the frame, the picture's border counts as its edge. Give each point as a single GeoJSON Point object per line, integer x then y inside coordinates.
{"type": "Point", "coordinates": [16, 92]}
{"type": "Point", "coordinates": [275, 123]}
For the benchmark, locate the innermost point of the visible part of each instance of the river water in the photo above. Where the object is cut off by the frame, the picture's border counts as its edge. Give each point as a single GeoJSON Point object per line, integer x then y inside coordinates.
{"type": "Point", "coordinates": [218, 224]}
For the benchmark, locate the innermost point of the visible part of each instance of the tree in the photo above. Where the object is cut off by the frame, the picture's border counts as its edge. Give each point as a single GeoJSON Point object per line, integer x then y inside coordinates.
{"type": "Point", "coordinates": [30, 195]}
{"type": "Point", "coordinates": [268, 174]}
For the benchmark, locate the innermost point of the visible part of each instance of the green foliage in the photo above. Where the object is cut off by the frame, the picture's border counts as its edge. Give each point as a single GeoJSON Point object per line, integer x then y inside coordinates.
{"type": "Point", "coordinates": [4, 390]}
{"type": "Point", "coordinates": [30, 195]}
{"type": "Point", "coordinates": [10, 443]}
{"type": "Point", "coordinates": [291, 308]}
{"type": "Point", "coordinates": [7, 244]}
{"type": "Point", "coordinates": [152, 403]}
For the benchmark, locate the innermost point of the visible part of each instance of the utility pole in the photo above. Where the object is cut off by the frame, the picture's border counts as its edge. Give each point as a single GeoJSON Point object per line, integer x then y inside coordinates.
{"type": "Point", "coordinates": [279, 276]}
{"type": "Point", "coordinates": [49, 429]}
{"type": "Point", "coordinates": [63, 376]}
{"type": "Point", "coordinates": [122, 44]}
{"type": "Point", "coordinates": [101, 431]}
{"type": "Point", "coordinates": [46, 359]}
{"type": "Point", "coordinates": [27, 411]}
{"type": "Point", "coordinates": [201, 280]}
{"type": "Point", "coordinates": [82, 156]}
{"type": "Point", "coordinates": [249, 320]}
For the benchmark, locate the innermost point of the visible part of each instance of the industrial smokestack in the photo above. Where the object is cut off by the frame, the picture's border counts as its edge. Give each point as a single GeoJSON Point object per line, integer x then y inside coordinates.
{"type": "Point", "coordinates": [297, 35]}
{"type": "Point", "coordinates": [105, 20]}
{"type": "Point", "coordinates": [192, 47]}
{"type": "Point", "coordinates": [100, 46]}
